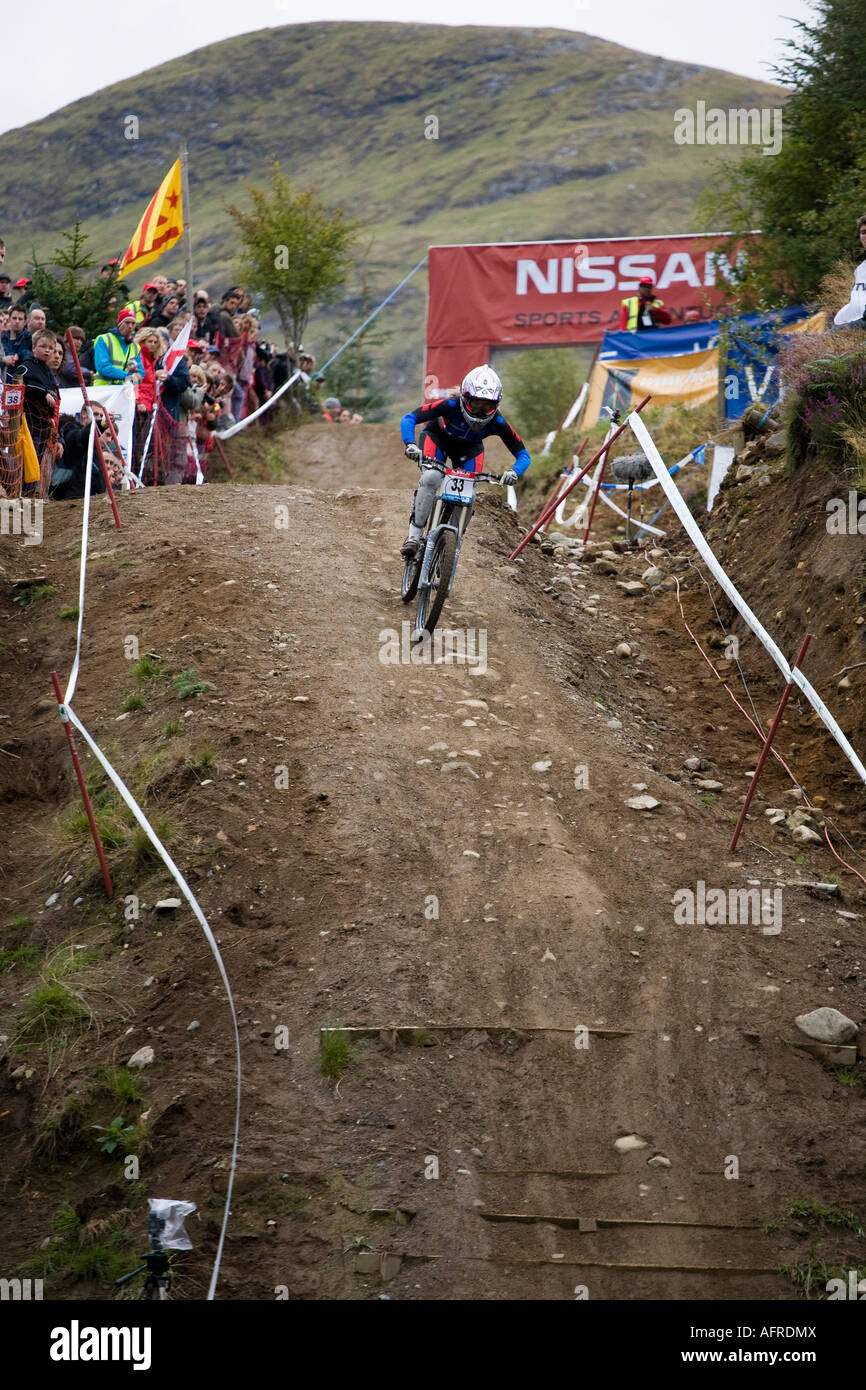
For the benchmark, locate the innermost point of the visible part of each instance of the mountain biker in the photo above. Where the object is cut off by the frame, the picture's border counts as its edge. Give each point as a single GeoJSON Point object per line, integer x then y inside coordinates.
{"type": "Point", "coordinates": [455, 428]}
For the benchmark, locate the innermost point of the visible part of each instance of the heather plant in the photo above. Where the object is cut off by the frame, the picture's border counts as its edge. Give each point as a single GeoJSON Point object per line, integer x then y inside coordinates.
{"type": "Point", "coordinates": [825, 398]}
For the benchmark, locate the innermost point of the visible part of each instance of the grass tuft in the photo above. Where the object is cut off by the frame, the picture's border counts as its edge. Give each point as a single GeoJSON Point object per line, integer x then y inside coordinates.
{"type": "Point", "coordinates": [52, 1014]}
{"type": "Point", "coordinates": [336, 1053]}
{"type": "Point", "coordinates": [101, 1250]}
{"type": "Point", "coordinates": [823, 1214]}
{"type": "Point", "coordinates": [143, 851]}
{"type": "Point", "coordinates": [18, 955]}
{"type": "Point", "coordinates": [35, 593]}
{"type": "Point", "coordinates": [146, 668]}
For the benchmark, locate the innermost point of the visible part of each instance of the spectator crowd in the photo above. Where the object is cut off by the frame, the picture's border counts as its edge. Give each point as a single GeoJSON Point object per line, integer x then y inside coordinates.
{"type": "Point", "coordinates": [227, 371]}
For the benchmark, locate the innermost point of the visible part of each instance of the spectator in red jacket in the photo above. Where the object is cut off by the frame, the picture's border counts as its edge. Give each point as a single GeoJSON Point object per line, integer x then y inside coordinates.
{"type": "Point", "coordinates": [642, 310]}
{"type": "Point", "coordinates": [151, 350]}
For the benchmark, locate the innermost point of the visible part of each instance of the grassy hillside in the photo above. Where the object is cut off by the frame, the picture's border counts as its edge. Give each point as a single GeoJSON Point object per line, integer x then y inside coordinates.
{"type": "Point", "coordinates": [541, 134]}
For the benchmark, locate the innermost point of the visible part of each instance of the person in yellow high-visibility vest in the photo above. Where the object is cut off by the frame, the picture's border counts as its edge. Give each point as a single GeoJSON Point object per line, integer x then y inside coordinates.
{"type": "Point", "coordinates": [642, 310]}
{"type": "Point", "coordinates": [115, 354]}
{"type": "Point", "coordinates": [143, 306]}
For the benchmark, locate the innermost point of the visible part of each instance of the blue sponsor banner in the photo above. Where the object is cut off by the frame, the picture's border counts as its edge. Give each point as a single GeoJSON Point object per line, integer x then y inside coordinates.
{"type": "Point", "coordinates": [752, 372]}
{"type": "Point", "coordinates": [661, 342]}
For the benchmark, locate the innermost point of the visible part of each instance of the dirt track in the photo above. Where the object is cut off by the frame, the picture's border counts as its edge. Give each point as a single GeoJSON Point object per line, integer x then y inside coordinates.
{"type": "Point", "coordinates": [318, 892]}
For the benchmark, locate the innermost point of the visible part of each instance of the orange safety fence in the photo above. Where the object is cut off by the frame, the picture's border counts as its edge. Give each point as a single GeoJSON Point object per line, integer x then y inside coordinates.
{"type": "Point", "coordinates": [29, 445]}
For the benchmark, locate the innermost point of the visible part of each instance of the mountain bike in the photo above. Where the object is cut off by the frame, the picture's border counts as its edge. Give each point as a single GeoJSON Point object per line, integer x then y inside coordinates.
{"type": "Point", "coordinates": [431, 572]}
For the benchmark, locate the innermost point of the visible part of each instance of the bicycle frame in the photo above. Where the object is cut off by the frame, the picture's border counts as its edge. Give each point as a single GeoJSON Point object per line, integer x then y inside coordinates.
{"type": "Point", "coordinates": [437, 525]}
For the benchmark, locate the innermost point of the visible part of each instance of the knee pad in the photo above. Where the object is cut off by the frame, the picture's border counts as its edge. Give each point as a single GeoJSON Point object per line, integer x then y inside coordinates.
{"type": "Point", "coordinates": [422, 503]}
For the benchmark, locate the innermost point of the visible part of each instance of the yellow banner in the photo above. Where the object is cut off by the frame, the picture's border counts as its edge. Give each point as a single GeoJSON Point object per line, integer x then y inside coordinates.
{"type": "Point", "coordinates": [32, 472]}
{"type": "Point", "coordinates": [161, 225]}
{"type": "Point", "coordinates": [690, 380]}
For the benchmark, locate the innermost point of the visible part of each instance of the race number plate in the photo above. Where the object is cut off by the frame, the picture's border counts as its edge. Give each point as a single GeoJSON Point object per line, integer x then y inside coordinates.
{"type": "Point", "coordinates": [458, 486]}
{"type": "Point", "coordinates": [11, 397]}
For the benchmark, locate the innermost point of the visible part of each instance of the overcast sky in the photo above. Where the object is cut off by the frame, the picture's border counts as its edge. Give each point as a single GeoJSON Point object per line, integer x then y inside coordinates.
{"type": "Point", "coordinates": [61, 50]}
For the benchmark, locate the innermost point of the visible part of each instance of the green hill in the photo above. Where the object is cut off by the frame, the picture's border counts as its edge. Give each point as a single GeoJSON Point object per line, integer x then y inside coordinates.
{"type": "Point", "coordinates": [541, 133]}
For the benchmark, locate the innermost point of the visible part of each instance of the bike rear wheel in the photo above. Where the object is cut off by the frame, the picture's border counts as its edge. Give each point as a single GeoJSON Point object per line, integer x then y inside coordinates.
{"type": "Point", "coordinates": [442, 564]}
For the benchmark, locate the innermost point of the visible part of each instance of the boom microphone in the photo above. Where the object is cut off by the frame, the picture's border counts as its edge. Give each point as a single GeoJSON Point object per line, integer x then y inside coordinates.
{"type": "Point", "coordinates": [632, 468]}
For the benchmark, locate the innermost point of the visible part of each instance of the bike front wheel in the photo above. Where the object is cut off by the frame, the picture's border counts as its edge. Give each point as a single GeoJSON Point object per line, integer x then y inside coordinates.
{"type": "Point", "coordinates": [411, 575]}
{"type": "Point", "coordinates": [442, 563]}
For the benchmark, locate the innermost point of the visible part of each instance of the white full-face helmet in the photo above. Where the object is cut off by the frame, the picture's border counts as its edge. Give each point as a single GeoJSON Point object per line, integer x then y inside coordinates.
{"type": "Point", "coordinates": [480, 395]}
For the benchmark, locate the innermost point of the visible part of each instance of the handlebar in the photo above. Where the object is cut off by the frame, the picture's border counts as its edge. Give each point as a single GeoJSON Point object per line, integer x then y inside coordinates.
{"type": "Point", "coordinates": [477, 477]}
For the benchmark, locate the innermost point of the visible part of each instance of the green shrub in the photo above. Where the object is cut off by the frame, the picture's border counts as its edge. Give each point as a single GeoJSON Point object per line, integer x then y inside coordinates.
{"type": "Point", "coordinates": [114, 1136]}
{"type": "Point", "coordinates": [186, 684]}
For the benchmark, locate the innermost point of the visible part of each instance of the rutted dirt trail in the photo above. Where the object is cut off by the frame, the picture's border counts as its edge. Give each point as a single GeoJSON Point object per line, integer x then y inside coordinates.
{"type": "Point", "coordinates": [353, 876]}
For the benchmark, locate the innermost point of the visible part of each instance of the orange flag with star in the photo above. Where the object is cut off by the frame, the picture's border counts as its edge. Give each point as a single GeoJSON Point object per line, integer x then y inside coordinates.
{"type": "Point", "coordinates": [161, 226]}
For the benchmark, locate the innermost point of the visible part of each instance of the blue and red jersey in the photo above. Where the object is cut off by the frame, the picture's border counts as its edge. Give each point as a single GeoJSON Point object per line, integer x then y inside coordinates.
{"type": "Point", "coordinates": [457, 441]}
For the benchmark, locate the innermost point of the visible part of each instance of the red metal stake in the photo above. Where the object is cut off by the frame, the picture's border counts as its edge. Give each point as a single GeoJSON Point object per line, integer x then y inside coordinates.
{"type": "Point", "coordinates": [108, 488]}
{"type": "Point", "coordinates": [767, 742]}
{"type": "Point", "coordinates": [551, 508]}
{"type": "Point", "coordinates": [555, 494]}
{"type": "Point", "coordinates": [595, 498]}
{"type": "Point", "coordinates": [82, 785]}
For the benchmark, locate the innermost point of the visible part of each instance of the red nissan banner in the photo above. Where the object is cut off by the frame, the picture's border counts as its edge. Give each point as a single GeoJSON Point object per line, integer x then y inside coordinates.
{"type": "Point", "coordinates": [547, 293]}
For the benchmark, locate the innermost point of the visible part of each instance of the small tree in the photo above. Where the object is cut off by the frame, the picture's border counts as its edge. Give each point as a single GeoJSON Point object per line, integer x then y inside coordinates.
{"type": "Point", "coordinates": [806, 198]}
{"type": "Point", "coordinates": [71, 296]}
{"type": "Point", "coordinates": [352, 378]}
{"type": "Point", "coordinates": [539, 386]}
{"type": "Point", "coordinates": [297, 251]}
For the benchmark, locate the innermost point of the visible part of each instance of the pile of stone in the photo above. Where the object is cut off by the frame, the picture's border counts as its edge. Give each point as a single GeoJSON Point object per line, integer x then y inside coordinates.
{"type": "Point", "coordinates": [804, 823]}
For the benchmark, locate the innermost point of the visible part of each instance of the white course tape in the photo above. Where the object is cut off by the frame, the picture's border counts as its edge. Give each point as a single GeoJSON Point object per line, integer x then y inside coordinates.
{"type": "Point", "coordinates": [191, 433]}
{"type": "Point", "coordinates": [148, 439]}
{"type": "Point", "coordinates": [85, 526]}
{"type": "Point", "coordinates": [67, 714]}
{"type": "Point", "coordinates": [573, 411]}
{"type": "Point", "coordinates": [576, 404]}
{"type": "Point", "coordinates": [793, 675]}
{"type": "Point", "coordinates": [579, 515]}
{"type": "Point", "coordinates": [248, 419]}
{"type": "Point", "coordinates": [211, 941]}
{"type": "Point", "coordinates": [723, 457]}
{"type": "Point", "coordinates": [580, 510]}
{"type": "Point", "coordinates": [609, 502]}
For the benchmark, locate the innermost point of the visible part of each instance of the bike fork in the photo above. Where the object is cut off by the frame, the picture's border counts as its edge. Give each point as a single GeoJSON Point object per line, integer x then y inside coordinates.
{"type": "Point", "coordinates": [424, 581]}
